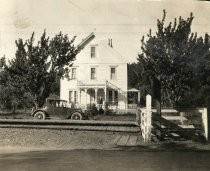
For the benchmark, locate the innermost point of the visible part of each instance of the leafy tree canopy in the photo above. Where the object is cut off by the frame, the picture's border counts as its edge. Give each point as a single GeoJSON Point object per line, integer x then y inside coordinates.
{"type": "Point", "coordinates": [175, 57]}
{"type": "Point", "coordinates": [38, 67]}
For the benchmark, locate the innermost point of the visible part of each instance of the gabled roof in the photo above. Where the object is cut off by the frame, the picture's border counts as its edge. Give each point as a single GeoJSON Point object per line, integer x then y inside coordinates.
{"type": "Point", "coordinates": [105, 53]}
{"type": "Point", "coordinates": [85, 41]}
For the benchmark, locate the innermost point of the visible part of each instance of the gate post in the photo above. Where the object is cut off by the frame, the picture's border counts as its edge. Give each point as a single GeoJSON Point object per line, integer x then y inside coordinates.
{"type": "Point", "coordinates": [146, 120]}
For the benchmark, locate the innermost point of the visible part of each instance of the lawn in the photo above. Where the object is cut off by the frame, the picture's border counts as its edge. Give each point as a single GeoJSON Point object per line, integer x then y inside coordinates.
{"type": "Point", "coordinates": [116, 117]}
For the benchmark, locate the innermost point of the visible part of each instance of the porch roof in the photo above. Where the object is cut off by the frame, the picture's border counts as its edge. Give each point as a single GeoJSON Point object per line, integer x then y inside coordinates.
{"type": "Point", "coordinates": [92, 86]}
{"type": "Point", "coordinates": [95, 84]}
{"type": "Point", "coordinates": [133, 90]}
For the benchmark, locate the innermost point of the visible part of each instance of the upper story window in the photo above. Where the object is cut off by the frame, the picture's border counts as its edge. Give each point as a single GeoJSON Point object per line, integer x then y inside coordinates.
{"type": "Point", "coordinates": [92, 51]}
{"type": "Point", "coordinates": [113, 73]}
{"type": "Point", "coordinates": [93, 73]}
{"type": "Point", "coordinates": [73, 73]}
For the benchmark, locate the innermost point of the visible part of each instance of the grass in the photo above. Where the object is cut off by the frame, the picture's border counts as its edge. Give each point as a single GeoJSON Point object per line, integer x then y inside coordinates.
{"type": "Point", "coordinates": [116, 117]}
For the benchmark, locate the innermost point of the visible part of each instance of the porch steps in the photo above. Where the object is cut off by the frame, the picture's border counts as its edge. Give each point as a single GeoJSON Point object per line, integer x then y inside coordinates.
{"type": "Point", "coordinates": [172, 130]}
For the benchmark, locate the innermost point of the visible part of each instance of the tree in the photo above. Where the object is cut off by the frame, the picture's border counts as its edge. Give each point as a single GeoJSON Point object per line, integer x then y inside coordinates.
{"type": "Point", "coordinates": [3, 93]}
{"type": "Point", "coordinates": [11, 95]}
{"type": "Point", "coordinates": [134, 77]}
{"type": "Point", "coordinates": [173, 56]}
{"type": "Point", "coordinates": [38, 67]}
{"type": "Point", "coordinates": [137, 79]}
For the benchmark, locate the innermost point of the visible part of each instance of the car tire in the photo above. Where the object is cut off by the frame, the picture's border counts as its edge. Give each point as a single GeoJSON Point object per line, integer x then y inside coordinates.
{"type": "Point", "coordinates": [40, 115]}
{"type": "Point", "coordinates": [76, 116]}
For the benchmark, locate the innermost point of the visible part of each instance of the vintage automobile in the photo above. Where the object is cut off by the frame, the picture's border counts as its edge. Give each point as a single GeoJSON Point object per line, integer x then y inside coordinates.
{"type": "Point", "coordinates": [58, 109]}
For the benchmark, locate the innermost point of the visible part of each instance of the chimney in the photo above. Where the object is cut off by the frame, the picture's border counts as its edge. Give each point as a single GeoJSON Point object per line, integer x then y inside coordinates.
{"type": "Point", "coordinates": [110, 42]}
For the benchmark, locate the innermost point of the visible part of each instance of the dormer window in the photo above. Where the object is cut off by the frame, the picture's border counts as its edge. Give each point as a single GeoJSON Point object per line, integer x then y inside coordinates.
{"type": "Point", "coordinates": [92, 51]}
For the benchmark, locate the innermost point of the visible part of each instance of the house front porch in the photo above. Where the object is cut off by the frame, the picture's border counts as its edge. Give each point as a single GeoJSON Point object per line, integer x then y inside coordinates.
{"type": "Point", "coordinates": [98, 94]}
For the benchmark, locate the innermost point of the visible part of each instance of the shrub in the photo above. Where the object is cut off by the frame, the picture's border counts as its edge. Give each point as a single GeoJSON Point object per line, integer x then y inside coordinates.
{"type": "Point", "coordinates": [92, 109]}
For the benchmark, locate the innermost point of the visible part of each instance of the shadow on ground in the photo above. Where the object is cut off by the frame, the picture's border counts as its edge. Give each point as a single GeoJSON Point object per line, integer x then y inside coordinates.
{"type": "Point", "coordinates": [168, 146]}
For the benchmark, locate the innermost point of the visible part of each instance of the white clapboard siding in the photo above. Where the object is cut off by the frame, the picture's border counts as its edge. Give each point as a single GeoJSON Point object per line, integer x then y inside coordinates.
{"type": "Point", "coordinates": [106, 57]}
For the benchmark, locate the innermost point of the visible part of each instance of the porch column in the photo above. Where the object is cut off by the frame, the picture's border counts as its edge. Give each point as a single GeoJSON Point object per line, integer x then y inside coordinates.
{"type": "Point", "coordinates": [118, 99]}
{"type": "Point", "coordinates": [105, 92]}
{"type": "Point", "coordinates": [96, 95]}
{"type": "Point", "coordinates": [85, 98]}
{"type": "Point", "coordinates": [126, 100]}
{"type": "Point", "coordinates": [139, 97]}
{"type": "Point", "coordinates": [105, 95]}
{"type": "Point", "coordinates": [79, 96]}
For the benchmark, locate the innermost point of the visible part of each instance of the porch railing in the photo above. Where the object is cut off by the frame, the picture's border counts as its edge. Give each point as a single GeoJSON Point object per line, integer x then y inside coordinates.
{"type": "Point", "coordinates": [132, 106]}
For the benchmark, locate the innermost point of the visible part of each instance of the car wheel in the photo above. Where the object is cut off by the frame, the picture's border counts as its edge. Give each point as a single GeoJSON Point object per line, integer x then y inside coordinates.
{"type": "Point", "coordinates": [76, 116]}
{"type": "Point", "coordinates": [40, 115]}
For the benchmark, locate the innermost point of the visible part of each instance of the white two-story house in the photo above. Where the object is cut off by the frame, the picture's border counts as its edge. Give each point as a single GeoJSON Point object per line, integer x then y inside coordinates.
{"type": "Point", "coordinates": [98, 75]}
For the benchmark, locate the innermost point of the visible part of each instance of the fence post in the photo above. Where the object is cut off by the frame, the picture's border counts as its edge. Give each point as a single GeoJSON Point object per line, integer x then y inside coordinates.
{"type": "Point", "coordinates": [205, 122]}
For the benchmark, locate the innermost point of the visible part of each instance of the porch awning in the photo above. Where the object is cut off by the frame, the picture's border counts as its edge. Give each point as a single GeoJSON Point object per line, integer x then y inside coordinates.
{"type": "Point", "coordinates": [89, 84]}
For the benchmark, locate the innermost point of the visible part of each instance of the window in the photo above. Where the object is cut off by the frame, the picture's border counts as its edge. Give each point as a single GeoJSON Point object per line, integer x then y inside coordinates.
{"type": "Point", "coordinates": [93, 73]}
{"type": "Point", "coordinates": [73, 73]}
{"type": "Point", "coordinates": [92, 51]}
{"type": "Point", "coordinates": [73, 96]}
{"type": "Point", "coordinates": [113, 73]}
{"type": "Point", "coordinates": [70, 96]}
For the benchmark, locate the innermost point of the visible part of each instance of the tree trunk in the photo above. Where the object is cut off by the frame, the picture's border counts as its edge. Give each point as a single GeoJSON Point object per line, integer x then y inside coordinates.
{"type": "Point", "coordinates": [14, 109]}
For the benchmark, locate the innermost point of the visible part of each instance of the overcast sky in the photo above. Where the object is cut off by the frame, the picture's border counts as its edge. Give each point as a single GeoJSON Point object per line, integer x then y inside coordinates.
{"type": "Point", "coordinates": [125, 21]}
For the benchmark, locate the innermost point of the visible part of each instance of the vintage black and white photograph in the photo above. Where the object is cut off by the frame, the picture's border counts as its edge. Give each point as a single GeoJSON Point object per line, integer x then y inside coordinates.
{"type": "Point", "coordinates": [104, 85]}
